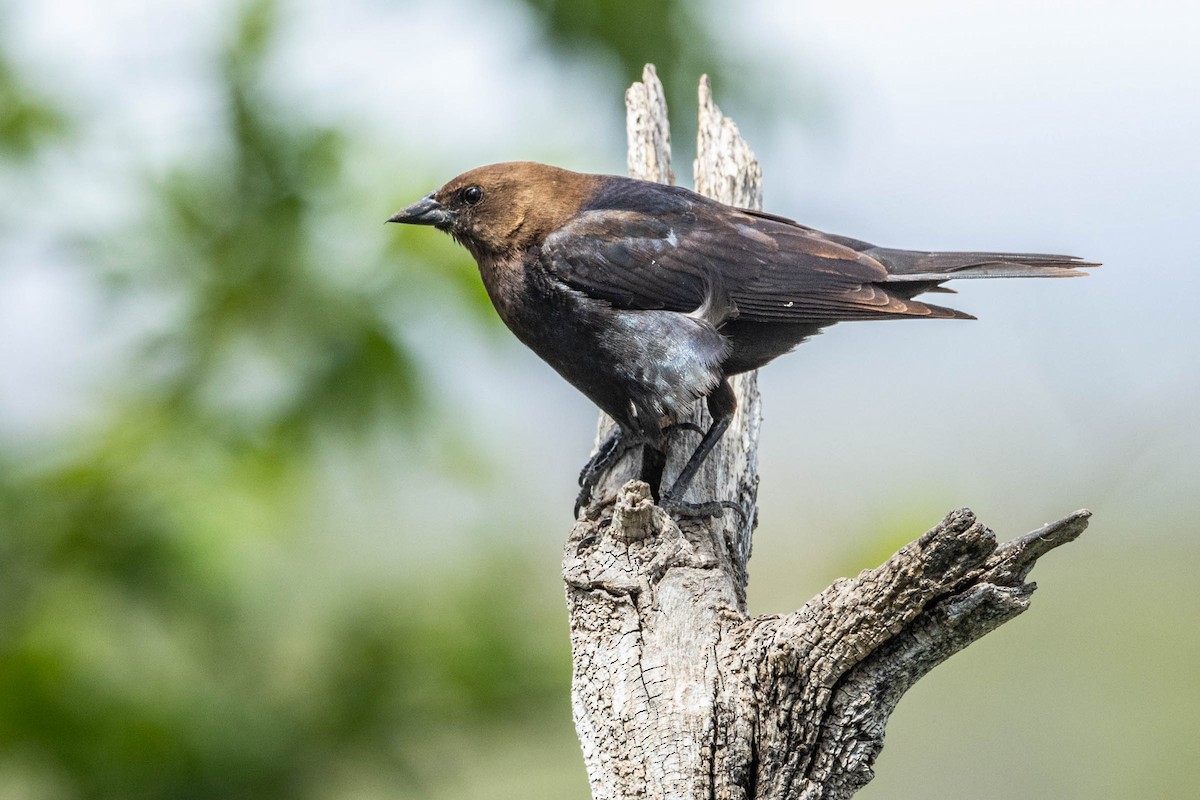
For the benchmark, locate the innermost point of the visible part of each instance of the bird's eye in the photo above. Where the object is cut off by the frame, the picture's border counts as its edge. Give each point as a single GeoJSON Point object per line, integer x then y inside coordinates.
{"type": "Point", "coordinates": [472, 195]}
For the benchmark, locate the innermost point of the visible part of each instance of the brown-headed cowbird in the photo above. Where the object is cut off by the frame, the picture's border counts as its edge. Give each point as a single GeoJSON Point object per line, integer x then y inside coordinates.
{"type": "Point", "coordinates": [648, 297]}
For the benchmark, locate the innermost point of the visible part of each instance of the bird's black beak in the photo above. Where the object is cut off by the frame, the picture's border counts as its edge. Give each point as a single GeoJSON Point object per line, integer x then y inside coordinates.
{"type": "Point", "coordinates": [425, 211]}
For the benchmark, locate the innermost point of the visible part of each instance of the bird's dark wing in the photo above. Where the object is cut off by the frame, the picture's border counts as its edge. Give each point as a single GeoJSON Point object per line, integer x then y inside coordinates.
{"type": "Point", "coordinates": [675, 250]}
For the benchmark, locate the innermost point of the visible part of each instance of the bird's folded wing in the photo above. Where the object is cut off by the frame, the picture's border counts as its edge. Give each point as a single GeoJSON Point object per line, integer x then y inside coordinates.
{"type": "Point", "coordinates": [695, 255]}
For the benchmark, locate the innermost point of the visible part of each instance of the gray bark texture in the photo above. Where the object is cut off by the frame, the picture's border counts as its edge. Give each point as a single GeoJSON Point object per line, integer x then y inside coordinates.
{"type": "Point", "coordinates": [677, 693]}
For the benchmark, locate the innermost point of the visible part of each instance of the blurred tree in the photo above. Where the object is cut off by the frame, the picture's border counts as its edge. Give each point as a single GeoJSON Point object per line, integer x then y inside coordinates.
{"type": "Point", "coordinates": [258, 301]}
{"type": "Point", "coordinates": [134, 668]}
{"type": "Point", "coordinates": [136, 658]}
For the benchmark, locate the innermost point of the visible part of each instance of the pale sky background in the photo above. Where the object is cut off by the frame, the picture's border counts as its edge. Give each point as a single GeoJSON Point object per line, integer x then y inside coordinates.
{"type": "Point", "coordinates": [1064, 126]}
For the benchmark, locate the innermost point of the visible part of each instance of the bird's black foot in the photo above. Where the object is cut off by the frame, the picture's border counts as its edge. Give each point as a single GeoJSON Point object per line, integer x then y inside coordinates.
{"type": "Point", "coordinates": [607, 454]}
{"type": "Point", "coordinates": [604, 456]}
{"type": "Point", "coordinates": [684, 426]}
{"type": "Point", "coordinates": [713, 508]}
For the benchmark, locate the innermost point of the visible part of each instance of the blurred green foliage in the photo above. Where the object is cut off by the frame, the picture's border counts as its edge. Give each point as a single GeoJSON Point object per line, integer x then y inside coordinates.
{"type": "Point", "coordinates": [27, 120]}
{"type": "Point", "coordinates": [135, 665]}
{"type": "Point", "coordinates": [238, 254]}
{"type": "Point", "coordinates": [149, 647]}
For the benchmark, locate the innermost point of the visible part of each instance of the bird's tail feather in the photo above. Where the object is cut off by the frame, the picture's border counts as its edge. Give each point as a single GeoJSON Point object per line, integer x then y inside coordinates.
{"type": "Point", "coordinates": [912, 265]}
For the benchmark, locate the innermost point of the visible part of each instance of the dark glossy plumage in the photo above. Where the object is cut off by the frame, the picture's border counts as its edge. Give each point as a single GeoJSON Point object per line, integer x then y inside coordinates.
{"type": "Point", "coordinates": [647, 297]}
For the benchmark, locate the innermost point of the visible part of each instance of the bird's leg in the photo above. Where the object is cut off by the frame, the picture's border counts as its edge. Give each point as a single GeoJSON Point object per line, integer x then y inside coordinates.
{"type": "Point", "coordinates": [721, 405]}
{"type": "Point", "coordinates": [654, 461]}
{"type": "Point", "coordinates": [672, 499]}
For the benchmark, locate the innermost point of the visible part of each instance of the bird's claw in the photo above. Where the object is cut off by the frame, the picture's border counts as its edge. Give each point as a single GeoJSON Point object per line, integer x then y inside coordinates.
{"type": "Point", "coordinates": [606, 455]}
{"type": "Point", "coordinates": [684, 426]}
{"type": "Point", "coordinates": [585, 495]}
{"type": "Point", "coordinates": [713, 508]}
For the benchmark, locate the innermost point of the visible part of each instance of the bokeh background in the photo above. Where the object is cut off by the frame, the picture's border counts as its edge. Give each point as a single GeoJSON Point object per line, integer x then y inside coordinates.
{"type": "Point", "coordinates": [281, 502]}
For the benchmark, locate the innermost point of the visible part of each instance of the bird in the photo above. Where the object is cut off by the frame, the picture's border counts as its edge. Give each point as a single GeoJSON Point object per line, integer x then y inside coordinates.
{"type": "Point", "coordinates": [648, 297]}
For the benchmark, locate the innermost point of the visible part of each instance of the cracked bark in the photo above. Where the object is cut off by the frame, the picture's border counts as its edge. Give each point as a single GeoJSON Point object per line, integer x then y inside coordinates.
{"type": "Point", "coordinates": [677, 692]}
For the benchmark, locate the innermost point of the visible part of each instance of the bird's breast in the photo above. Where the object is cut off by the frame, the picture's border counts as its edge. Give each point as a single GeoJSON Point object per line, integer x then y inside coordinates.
{"type": "Point", "coordinates": [638, 366]}
{"type": "Point", "coordinates": [504, 279]}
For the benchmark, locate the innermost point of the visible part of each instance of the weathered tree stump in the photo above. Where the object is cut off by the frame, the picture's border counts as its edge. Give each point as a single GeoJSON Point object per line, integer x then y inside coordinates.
{"type": "Point", "coordinates": [677, 692]}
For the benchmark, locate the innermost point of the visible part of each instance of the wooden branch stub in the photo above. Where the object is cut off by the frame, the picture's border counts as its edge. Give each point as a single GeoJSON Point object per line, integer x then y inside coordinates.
{"type": "Point", "coordinates": [647, 130]}
{"type": "Point", "coordinates": [772, 707]}
{"type": "Point", "coordinates": [725, 168]}
{"type": "Point", "coordinates": [635, 516]}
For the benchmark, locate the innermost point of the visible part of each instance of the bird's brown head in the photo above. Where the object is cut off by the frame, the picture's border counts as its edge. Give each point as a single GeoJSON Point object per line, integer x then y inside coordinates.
{"type": "Point", "coordinates": [502, 209]}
